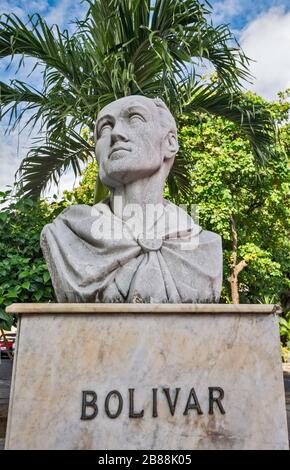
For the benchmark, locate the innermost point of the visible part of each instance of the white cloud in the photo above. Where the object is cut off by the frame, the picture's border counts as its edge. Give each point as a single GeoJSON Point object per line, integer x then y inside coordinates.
{"type": "Point", "coordinates": [222, 10]}
{"type": "Point", "coordinates": [61, 13]}
{"type": "Point", "coordinates": [11, 151]}
{"type": "Point", "coordinates": [267, 41]}
{"type": "Point", "coordinates": [19, 7]}
{"type": "Point", "coordinates": [66, 11]}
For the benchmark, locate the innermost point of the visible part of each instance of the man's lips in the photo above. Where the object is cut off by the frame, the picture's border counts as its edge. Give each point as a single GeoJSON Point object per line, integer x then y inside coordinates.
{"type": "Point", "coordinates": [115, 150]}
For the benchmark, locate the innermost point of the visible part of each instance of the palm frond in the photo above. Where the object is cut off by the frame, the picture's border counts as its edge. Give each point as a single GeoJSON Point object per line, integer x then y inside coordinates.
{"type": "Point", "coordinates": [170, 35]}
{"type": "Point", "coordinates": [179, 178]}
{"type": "Point", "coordinates": [46, 163]}
{"type": "Point", "coordinates": [123, 47]}
{"type": "Point", "coordinates": [50, 46]}
{"type": "Point", "coordinates": [251, 118]}
{"type": "Point", "coordinates": [11, 98]}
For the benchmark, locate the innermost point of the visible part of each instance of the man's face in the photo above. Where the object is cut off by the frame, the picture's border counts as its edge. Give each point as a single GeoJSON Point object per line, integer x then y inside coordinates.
{"type": "Point", "coordinates": [128, 141]}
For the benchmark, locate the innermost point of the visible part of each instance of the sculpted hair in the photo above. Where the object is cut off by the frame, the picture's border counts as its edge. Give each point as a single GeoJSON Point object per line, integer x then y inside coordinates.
{"type": "Point", "coordinates": [166, 119]}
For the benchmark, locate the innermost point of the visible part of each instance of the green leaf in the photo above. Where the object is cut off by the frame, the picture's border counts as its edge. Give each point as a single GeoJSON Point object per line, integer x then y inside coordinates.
{"type": "Point", "coordinates": [6, 320]}
{"type": "Point", "coordinates": [25, 285]}
{"type": "Point", "coordinates": [12, 293]}
{"type": "Point", "coordinates": [46, 277]}
{"type": "Point", "coordinates": [38, 295]}
{"type": "Point", "coordinates": [100, 191]}
{"type": "Point", "coordinates": [24, 274]}
{"type": "Point", "coordinates": [3, 216]}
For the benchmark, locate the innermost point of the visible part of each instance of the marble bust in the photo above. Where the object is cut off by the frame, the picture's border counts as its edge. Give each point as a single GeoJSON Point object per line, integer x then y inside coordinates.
{"type": "Point", "coordinates": [134, 246]}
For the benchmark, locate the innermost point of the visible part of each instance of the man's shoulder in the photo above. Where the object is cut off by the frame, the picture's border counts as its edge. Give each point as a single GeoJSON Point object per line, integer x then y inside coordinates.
{"type": "Point", "coordinates": [76, 213]}
{"type": "Point", "coordinates": [179, 219]}
{"type": "Point", "coordinates": [210, 241]}
{"type": "Point", "coordinates": [80, 211]}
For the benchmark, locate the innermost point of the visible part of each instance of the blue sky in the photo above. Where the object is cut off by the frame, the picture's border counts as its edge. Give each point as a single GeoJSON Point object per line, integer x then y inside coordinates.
{"type": "Point", "coordinates": [261, 26]}
{"type": "Point", "coordinates": [238, 13]}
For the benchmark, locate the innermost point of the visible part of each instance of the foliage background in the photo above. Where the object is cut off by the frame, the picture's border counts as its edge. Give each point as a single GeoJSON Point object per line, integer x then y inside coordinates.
{"type": "Point", "coordinates": [23, 272]}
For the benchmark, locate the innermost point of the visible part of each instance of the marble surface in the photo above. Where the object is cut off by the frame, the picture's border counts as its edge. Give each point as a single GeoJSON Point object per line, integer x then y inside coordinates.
{"type": "Point", "coordinates": [181, 309]}
{"type": "Point", "coordinates": [61, 355]}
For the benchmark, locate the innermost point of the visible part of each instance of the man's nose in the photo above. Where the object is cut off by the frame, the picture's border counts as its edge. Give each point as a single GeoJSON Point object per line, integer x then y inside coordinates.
{"type": "Point", "coordinates": [118, 133]}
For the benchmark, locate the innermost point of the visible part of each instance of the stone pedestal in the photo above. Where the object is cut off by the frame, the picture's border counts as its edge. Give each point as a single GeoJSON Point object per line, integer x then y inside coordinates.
{"type": "Point", "coordinates": [145, 376]}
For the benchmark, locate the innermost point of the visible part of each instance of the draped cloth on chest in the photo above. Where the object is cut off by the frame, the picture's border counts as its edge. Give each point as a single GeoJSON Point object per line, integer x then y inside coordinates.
{"type": "Point", "coordinates": [94, 256]}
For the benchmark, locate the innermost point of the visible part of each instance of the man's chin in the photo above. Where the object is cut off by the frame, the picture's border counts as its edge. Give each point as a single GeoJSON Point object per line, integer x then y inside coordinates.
{"type": "Point", "coordinates": [121, 172]}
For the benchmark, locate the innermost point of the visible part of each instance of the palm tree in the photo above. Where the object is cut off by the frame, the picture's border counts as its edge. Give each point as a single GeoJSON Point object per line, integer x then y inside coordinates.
{"type": "Point", "coordinates": [123, 47]}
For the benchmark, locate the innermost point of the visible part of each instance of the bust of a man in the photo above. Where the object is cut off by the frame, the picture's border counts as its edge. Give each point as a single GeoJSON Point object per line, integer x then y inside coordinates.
{"type": "Point", "coordinates": [134, 246]}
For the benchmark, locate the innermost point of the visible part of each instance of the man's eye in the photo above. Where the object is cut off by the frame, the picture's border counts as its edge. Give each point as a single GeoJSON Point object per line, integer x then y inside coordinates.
{"type": "Point", "coordinates": [105, 128]}
{"type": "Point", "coordinates": [136, 117]}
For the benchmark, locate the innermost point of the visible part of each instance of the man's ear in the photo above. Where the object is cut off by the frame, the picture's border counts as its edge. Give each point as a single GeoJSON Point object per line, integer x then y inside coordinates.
{"type": "Point", "coordinates": [171, 146]}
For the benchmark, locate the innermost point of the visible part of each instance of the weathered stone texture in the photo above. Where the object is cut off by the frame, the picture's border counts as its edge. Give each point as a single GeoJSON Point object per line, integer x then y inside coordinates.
{"type": "Point", "coordinates": [59, 356]}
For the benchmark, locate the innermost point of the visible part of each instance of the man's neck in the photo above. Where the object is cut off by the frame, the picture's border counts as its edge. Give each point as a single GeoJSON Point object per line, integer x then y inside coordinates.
{"type": "Point", "coordinates": [144, 192]}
